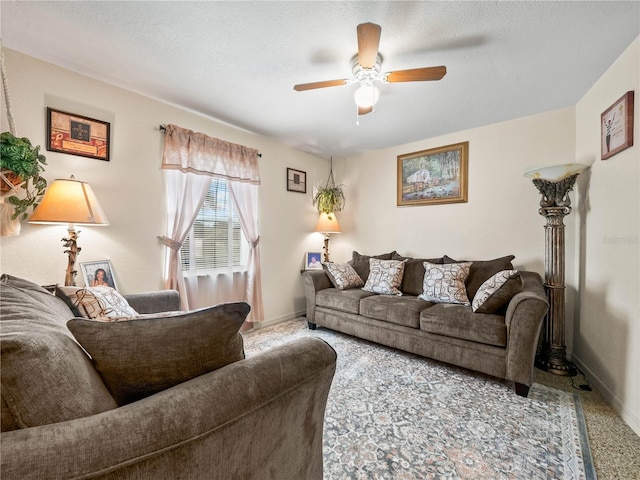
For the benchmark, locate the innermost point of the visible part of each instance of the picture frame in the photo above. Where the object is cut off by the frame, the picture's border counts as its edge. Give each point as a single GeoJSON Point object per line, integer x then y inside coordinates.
{"type": "Point", "coordinates": [616, 126]}
{"type": "Point", "coordinates": [92, 269]}
{"type": "Point", "coordinates": [296, 180]}
{"type": "Point", "coordinates": [313, 261]}
{"type": "Point", "coordinates": [78, 135]}
{"type": "Point", "coordinates": [435, 176]}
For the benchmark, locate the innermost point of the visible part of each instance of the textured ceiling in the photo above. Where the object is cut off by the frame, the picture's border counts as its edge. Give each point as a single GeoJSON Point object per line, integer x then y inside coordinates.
{"type": "Point", "coordinates": [238, 61]}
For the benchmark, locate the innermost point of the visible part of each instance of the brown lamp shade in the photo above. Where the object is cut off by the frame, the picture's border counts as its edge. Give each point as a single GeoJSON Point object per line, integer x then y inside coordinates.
{"type": "Point", "coordinates": [69, 201]}
{"type": "Point", "coordinates": [328, 223]}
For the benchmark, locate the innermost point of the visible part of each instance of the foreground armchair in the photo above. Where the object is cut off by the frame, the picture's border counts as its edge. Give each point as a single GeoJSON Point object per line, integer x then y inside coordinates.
{"type": "Point", "coordinates": [254, 418]}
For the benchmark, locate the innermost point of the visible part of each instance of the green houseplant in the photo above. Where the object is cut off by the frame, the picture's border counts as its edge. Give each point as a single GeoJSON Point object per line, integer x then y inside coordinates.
{"type": "Point", "coordinates": [330, 198]}
{"type": "Point", "coordinates": [21, 163]}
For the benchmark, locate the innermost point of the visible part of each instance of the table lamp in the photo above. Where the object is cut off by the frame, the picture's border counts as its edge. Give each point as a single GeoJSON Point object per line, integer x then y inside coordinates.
{"type": "Point", "coordinates": [72, 202]}
{"type": "Point", "coordinates": [327, 224]}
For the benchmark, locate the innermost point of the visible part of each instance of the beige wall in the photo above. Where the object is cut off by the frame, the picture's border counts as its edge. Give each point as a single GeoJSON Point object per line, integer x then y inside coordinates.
{"type": "Point", "coordinates": [129, 187]}
{"type": "Point", "coordinates": [607, 332]}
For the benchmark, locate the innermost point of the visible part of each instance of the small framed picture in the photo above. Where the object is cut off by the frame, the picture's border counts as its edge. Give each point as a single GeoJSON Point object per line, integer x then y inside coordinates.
{"type": "Point", "coordinates": [77, 135]}
{"type": "Point", "coordinates": [616, 125]}
{"type": "Point", "coordinates": [312, 261]}
{"type": "Point", "coordinates": [98, 274]}
{"type": "Point", "coordinates": [296, 180]}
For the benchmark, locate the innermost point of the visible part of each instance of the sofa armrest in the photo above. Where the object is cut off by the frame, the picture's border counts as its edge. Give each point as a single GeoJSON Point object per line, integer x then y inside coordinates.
{"type": "Point", "coordinates": [155, 302]}
{"type": "Point", "coordinates": [257, 418]}
{"type": "Point", "coordinates": [314, 281]}
{"type": "Point", "coordinates": [524, 318]}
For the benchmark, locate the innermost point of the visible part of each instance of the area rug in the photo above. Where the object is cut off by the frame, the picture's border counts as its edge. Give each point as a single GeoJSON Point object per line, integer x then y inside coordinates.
{"type": "Point", "coordinates": [394, 415]}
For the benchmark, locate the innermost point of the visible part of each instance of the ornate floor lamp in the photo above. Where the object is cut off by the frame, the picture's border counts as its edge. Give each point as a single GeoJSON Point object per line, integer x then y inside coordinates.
{"type": "Point", "coordinates": [554, 184]}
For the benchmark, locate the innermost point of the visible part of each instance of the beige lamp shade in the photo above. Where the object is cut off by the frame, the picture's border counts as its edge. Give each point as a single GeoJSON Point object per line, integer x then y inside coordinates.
{"type": "Point", "coordinates": [69, 201]}
{"type": "Point", "coordinates": [328, 223]}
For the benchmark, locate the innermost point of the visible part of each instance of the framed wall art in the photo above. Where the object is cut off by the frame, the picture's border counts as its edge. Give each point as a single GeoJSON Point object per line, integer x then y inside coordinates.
{"type": "Point", "coordinates": [78, 135]}
{"type": "Point", "coordinates": [98, 274]}
{"type": "Point", "coordinates": [434, 176]}
{"type": "Point", "coordinates": [296, 181]}
{"type": "Point", "coordinates": [616, 125]}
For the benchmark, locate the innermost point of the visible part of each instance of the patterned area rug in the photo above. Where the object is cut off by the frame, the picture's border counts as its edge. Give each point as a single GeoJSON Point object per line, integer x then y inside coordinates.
{"type": "Point", "coordinates": [394, 415]}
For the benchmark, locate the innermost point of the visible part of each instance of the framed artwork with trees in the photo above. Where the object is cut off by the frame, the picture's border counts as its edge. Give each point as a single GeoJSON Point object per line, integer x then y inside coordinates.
{"type": "Point", "coordinates": [434, 176]}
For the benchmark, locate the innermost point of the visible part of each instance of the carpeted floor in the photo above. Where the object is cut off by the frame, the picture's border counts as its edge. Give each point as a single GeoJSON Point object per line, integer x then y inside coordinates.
{"type": "Point", "coordinates": [393, 415]}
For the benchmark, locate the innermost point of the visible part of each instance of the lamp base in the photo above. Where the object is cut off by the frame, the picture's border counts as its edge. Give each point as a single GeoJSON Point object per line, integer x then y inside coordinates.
{"type": "Point", "coordinates": [71, 244]}
{"type": "Point", "coordinates": [553, 359]}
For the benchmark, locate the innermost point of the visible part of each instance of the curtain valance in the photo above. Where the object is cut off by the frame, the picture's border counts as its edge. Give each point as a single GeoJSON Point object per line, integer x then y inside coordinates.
{"type": "Point", "coordinates": [198, 153]}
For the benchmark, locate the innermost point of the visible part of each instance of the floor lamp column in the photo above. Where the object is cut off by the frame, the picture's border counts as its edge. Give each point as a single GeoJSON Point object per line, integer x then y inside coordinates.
{"type": "Point", "coordinates": [554, 206]}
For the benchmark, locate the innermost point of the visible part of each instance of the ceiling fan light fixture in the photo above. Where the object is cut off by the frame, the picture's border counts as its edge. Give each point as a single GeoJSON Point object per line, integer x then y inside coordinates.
{"type": "Point", "coordinates": [366, 96]}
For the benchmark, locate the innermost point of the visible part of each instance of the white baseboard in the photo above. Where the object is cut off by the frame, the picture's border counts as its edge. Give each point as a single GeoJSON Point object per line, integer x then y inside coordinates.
{"type": "Point", "coordinates": [631, 418]}
{"type": "Point", "coordinates": [275, 321]}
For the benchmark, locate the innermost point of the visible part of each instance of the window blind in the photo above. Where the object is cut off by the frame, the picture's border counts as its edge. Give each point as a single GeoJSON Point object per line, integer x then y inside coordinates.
{"type": "Point", "coordinates": [216, 241]}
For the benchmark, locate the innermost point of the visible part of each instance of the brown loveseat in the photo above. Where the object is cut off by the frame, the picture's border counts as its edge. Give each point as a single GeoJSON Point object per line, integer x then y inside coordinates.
{"type": "Point", "coordinates": [501, 343]}
{"type": "Point", "coordinates": [165, 397]}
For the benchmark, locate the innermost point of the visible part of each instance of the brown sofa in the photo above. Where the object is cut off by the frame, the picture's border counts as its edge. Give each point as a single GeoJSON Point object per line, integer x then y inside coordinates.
{"type": "Point", "coordinates": [164, 396]}
{"type": "Point", "coordinates": [502, 343]}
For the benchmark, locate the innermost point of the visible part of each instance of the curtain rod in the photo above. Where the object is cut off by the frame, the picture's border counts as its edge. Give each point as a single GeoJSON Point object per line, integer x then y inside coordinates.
{"type": "Point", "coordinates": [163, 128]}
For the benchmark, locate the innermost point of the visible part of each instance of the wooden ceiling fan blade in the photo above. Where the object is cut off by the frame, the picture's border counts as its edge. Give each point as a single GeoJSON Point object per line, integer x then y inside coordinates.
{"type": "Point", "coordinates": [327, 83]}
{"type": "Point", "coordinates": [368, 43]}
{"type": "Point", "coordinates": [364, 110]}
{"type": "Point", "coordinates": [417, 74]}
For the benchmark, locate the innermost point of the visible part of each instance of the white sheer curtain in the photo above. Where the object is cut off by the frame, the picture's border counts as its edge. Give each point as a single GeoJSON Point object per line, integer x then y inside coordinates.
{"type": "Point", "coordinates": [245, 198]}
{"type": "Point", "coordinates": [184, 195]}
{"type": "Point", "coordinates": [195, 158]}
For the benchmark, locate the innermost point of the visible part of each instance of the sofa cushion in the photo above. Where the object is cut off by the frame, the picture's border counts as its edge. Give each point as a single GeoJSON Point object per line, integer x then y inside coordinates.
{"type": "Point", "coordinates": [481, 270]}
{"type": "Point", "coordinates": [497, 291]}
{"type": "Point", "coordinates": [360, 263]}
{"type": "Point", "coordinates": [385, 277]}
{"type": "Point", "coordinates": [414, 273]}
{"type": "Point", "coordinates": [100, 303]}
{"type": "Point", "coordinates": [343, 300]}
{"type": "Point", "coordinates": [46, 377]}
{"type": "Point", "coordinates": [459, 321]}
{"type": "Point", "coordinates": [342, 275]}
{"type": "Point", "coordinates": [142, 356]}
{"type": "Point", "coordinates": [445, 283]}
{"type": "Point", "coordinates": [403, 310]}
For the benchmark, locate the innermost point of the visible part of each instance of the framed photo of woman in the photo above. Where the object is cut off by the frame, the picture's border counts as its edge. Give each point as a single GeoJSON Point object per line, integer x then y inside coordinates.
{"type": "Point", "coordinates": [98, 274]}
{"type": "Point", "coordinates": [312, 261]}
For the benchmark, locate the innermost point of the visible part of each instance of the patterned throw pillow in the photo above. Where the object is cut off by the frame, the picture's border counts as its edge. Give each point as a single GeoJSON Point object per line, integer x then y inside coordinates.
{"type": "Point", "coordinates": [342, 275]}
{"type": "Point", "coordinates": [445, 283]}
{"type": "Point", "coordinates": [497, 291]}
{"type": "Point", "coordinates": [96, 303]}
{"type": "Point", "coordinates": [385, 276]}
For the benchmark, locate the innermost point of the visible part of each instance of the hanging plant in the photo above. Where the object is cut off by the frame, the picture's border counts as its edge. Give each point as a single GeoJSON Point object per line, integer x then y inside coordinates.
{"type": "Point", "coordinates": [329, 198]}
{"type": "Point", "coordinates": [21, 164]}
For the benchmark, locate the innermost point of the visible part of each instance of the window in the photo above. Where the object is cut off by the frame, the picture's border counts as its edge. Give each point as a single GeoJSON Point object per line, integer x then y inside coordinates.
{"type": "Point", "coordinates": [216, 241]}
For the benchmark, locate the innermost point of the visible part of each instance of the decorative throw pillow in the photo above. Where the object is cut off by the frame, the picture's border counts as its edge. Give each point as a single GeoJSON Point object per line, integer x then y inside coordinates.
{"type": "Point", "coordinates": [482, 270]}
{"type": "Point", "coordinates": [360, 263]}
{"type": "Point", "coordinates": [342, 275]}
{"type": "Point", "coordinates": [143, 356]}
{"type": "Point", "coordinates": [385, 276]}
{"type": "Point", "coordinates": [414, 273]}
{"type": "Point", "coordinates": [97, 303]}
{"type": "Point", "coordinates": [445, 283]}
{"type": "Point", "coordinates": [497, 291]}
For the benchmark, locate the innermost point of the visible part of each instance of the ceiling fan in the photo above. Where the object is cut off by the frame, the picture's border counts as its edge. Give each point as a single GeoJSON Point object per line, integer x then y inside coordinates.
{"type": "Point", "coordinates": [367, 66]}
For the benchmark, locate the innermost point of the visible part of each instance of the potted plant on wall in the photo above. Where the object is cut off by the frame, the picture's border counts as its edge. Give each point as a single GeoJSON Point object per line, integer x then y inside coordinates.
{"type": "Point", "coordinates": [21, 166]}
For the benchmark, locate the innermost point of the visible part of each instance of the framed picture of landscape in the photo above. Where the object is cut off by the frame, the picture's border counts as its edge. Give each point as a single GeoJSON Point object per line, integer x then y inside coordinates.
{"type": "Point", "coordinates": [433, 177]}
